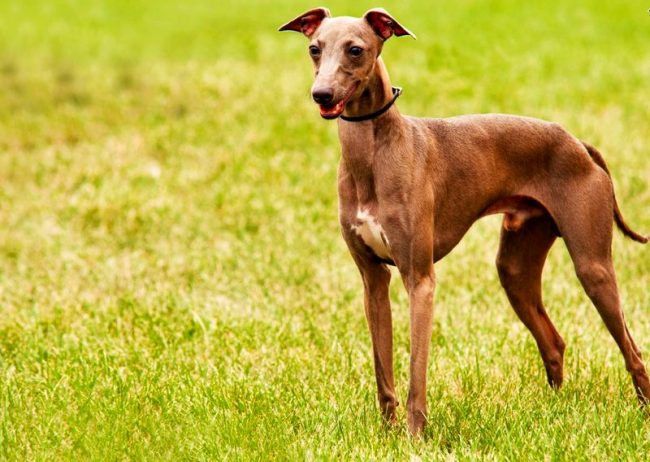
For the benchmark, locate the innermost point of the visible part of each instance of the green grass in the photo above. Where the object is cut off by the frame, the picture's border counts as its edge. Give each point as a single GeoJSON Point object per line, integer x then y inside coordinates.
{"type": "Point", "coordinates": [173, 284]}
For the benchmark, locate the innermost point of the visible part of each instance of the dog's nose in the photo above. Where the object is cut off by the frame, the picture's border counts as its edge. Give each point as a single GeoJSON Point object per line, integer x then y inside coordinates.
{"type": "Point", "coordinates": [323, 95]}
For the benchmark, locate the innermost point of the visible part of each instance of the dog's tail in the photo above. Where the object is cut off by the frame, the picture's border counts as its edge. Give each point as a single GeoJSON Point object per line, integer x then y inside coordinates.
{"type": "Point", "coordinates": [618, 216]}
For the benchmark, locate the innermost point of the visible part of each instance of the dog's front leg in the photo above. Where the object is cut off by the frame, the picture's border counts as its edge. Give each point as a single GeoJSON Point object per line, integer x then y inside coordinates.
{"type": "Point", "coordinates": [421, 313]}
{"type": "Point", "coordinates": [376, 282]}
{"type": "Point", "coordinates": [420, 288]}
{"type": "Point", "coordinates": [413, 254]}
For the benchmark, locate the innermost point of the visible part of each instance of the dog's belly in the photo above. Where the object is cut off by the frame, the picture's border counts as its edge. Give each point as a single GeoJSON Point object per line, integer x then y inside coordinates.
{"type": "Point", "coordinates": [372, 234]}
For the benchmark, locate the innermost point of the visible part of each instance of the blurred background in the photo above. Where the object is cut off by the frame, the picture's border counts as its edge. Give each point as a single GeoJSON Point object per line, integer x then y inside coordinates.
{"type": "Point", "coordinates": [172, 278]}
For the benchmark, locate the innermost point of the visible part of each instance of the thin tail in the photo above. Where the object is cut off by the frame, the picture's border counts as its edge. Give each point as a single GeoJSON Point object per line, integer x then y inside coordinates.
{"type": "Point", "coordinates": [618, 216]}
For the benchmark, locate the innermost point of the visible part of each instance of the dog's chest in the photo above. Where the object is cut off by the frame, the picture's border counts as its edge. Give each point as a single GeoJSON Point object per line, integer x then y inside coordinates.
{"type": "Point", "coordinates": [367, 227]}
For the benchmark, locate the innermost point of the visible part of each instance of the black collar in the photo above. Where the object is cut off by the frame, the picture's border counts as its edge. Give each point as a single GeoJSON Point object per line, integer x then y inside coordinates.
{"type": "Point", "coordinates": [373, 115]}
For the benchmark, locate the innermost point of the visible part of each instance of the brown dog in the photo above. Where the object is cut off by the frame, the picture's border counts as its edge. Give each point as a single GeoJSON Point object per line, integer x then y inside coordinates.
{"type": "Point", "coordinates": [410, 188]}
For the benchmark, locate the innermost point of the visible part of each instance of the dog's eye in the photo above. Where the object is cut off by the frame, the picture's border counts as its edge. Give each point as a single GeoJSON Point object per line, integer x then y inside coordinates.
{"type": "Point", "coordinates": [314, 51]}
{"type": "Point", "coordinates": [356, 51]}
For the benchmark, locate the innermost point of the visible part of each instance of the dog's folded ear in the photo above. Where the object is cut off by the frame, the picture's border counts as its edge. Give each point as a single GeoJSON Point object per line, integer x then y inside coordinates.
{"type": "Point", "coordinates": [384, 24]}
{"type": "Point", "coordinates": [308, 22]}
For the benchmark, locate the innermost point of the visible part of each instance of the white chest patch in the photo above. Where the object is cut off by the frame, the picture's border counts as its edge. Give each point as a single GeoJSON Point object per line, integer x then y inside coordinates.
{"type": "Point", "coordinates": [372, 234]}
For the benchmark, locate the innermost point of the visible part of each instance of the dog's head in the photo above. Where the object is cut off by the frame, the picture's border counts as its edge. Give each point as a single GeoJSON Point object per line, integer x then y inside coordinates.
{"type": "Point", "coordinates": [344, 51]}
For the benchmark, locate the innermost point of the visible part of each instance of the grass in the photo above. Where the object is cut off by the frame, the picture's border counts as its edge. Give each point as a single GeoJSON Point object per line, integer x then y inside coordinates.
{"type": "Point", "coordinates": [173, 284]}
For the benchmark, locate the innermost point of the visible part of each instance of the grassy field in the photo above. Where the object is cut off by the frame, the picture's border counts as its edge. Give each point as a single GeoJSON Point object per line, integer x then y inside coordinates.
{"type": "Point", "coordinates": [173, 285]}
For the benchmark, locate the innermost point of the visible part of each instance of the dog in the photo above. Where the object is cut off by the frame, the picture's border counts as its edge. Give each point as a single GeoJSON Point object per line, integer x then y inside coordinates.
{"type": "Point", "coordinates": [410, 188]}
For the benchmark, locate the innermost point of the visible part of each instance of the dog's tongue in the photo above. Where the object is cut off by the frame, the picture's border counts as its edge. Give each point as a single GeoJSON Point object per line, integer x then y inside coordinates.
{"type": "Point", "coordinates": [331, 112]}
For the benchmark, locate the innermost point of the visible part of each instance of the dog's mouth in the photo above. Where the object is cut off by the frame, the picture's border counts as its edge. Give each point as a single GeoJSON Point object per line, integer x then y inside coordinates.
{"type": "Point", "coordinates": [334, 110]}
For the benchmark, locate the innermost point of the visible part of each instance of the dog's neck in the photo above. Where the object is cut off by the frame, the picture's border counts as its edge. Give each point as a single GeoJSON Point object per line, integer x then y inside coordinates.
{"type": "Point", "coordinates": [377, 94]}
{"type": "Point", "coordinates": [359, 140]}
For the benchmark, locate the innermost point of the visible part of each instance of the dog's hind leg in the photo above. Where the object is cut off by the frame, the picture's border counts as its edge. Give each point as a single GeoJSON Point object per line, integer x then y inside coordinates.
{"type": "Point", "coordinates": [586, 224]}
{"type": "Point", "coordinates": [520, 261]}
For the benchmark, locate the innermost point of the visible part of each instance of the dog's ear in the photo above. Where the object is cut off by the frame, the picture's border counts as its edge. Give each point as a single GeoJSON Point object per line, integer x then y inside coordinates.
{"type": "Point", "coordinates": [384, 24]}
{"type": "Point", "coordinates": [308, 22]}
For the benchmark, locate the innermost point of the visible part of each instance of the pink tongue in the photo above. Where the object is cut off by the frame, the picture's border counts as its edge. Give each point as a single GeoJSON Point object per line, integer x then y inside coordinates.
{"type": "Point", "coordinates": [332, 111]}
